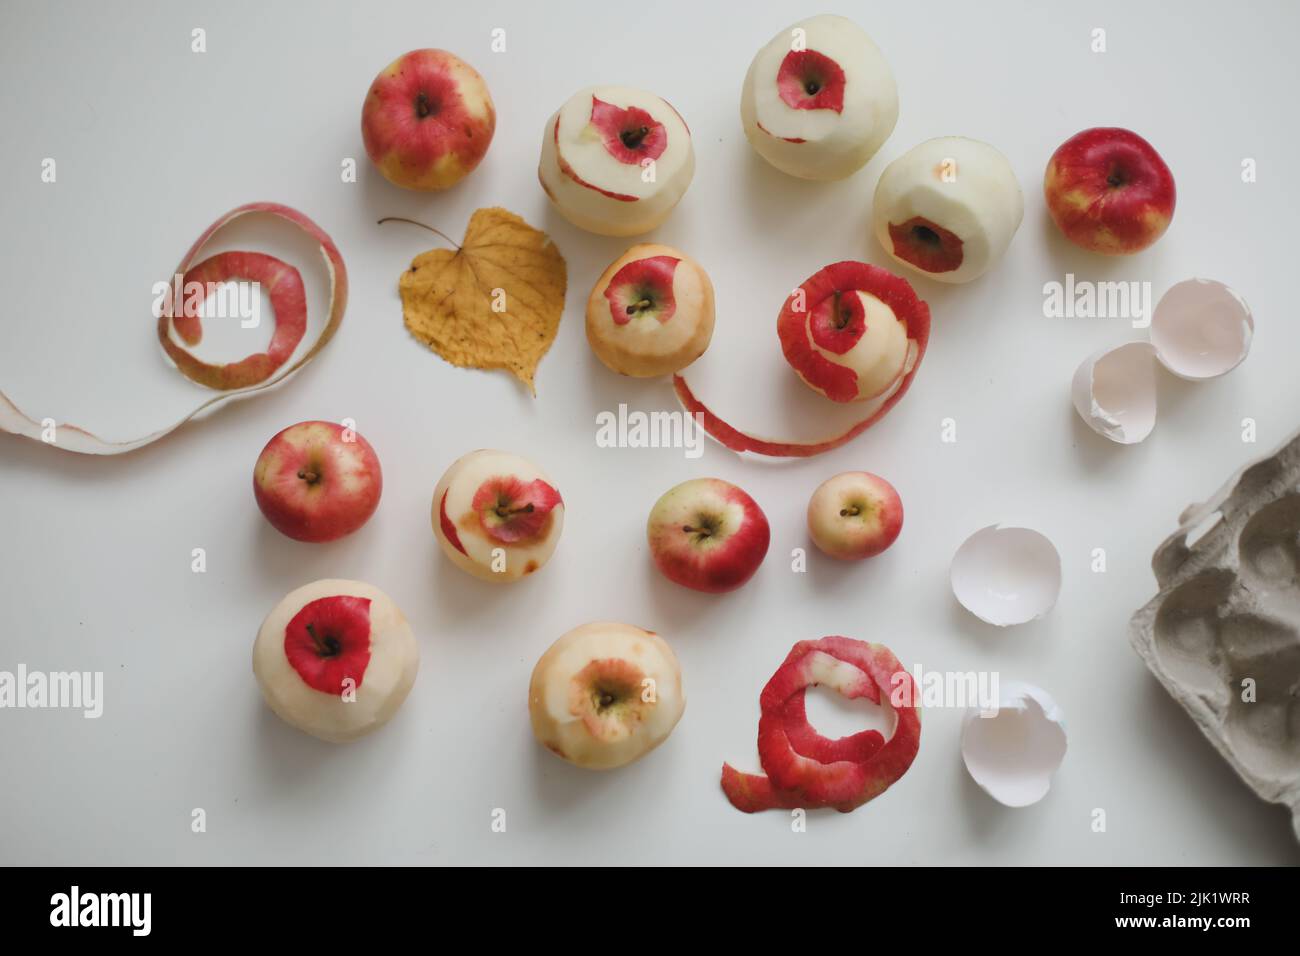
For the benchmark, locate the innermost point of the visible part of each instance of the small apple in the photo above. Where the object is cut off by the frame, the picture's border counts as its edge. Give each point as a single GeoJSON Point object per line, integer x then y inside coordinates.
{"type": "Point", "coordinates": [708, 535]}
{"type": "Point", "coordinates": [651, 312]}
{"type": "Point", "coordinates": [427, 120]}
{"type": "Point", "coordinates": [615, 160]}
{"type": "Point", "coordinates": [605, 694]}
{"type": "Point", "coordinates": [948, 208]}
{"type": "Point", "coordinates": [1109, 191]}
{"type": "Point", "coordinates": [317, 481]}
{"type": "Point", "coordinates": [819, 100]}
{"type": "Point", "coordinates": [335, 659]}
{"type": "Point", "coordinates": [854, 515]}
{"type": "Point", "coordinates": [497, 515]}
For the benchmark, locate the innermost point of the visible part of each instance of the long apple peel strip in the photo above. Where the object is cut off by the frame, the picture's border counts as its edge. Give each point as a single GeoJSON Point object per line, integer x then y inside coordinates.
{"type": "Point", "coordinates": [914, 313]}
{"type": "Point", "coordinates": [73, 438]}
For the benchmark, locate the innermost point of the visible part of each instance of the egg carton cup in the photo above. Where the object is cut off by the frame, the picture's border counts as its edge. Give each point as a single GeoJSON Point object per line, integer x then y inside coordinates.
{"type": "Point", "coordinates": [1223, 632]}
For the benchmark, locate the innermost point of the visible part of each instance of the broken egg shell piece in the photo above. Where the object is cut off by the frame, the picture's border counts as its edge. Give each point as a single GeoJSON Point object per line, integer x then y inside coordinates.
{"type": "Point", "coordinates": [1114, 392]}
{"type": "Point", "coordinates": [1013, 752]}
{"type": "Point", "coordinates": [1201, 329]}
{"type": "Point", "coordinates": [1006, 576]}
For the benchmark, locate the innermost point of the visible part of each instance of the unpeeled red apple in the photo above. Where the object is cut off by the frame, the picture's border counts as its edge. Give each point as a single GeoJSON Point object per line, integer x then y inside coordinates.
{"type": "Point", "coordinates": [1109, 191]}
{"type": "Point", "coordinates": [708, 535]}
{"type": "Point", "coordinates": [317, 481]}
{"type": "Point", "coordinates": [335, 659]}
{"type": "Point", "coordinates": [605, 694]}
{"type": "Point", "coordinates": [428, 120]}
{"type": "Point", "coordinates": [651, 312]}
{"type": "Point", "coordinates": [854, 515]}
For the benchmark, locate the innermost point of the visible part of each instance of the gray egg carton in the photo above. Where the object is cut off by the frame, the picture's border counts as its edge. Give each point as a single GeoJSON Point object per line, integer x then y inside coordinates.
{"type": "Point", "coordinates": [1228, 613]}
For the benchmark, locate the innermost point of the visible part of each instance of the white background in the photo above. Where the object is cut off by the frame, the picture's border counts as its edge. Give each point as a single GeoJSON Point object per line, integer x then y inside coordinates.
{"type": "Point", "coordinates": [152, 142]}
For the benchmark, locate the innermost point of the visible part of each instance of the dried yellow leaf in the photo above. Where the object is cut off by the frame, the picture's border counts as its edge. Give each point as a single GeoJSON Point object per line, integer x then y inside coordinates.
{"type": "Point", "coordinates": [493, 303]}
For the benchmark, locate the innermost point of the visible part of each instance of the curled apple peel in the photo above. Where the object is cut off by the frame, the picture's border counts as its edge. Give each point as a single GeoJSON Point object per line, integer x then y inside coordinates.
{"type": "Point", "coordinates": [801, 767]}
{"type": "Point", "coordinates": [853, 332]}
{"type": "Point", "coordinates": [244, 378]}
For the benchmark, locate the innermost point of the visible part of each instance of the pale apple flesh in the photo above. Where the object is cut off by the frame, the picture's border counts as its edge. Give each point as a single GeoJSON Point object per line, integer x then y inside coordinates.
{"type": "Point", "coordinates": [317, 481]}
{"type": "Point", "coordinates": [335, 659]}
{"type": "Point", "coordinates": [497, 515]}
{"type": "Point", "coordinates": [708, 535]}
{"type": "Point", "coordinates": [651, 312]}
{"type": "Point", "coordinates": [605, 694]}
{"type": "Point", "coordinates": [1109, 191]}
{"type": "Point", "coordinates": [616, 160]}
{"type": "Point", "coordinates": [854, 515]}
{"type": "Point", "coordinates": [819, 99]}
{"type": "Point", "coordinates": [428, 120]}
{"type": "Point", "coordinates": [948, 208]}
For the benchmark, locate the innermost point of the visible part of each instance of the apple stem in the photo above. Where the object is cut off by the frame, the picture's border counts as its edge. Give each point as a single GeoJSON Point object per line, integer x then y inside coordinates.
{"type": "Point", "coordinates": [632, 137]}
{"type": "Point", "coordinates": [851, 512]}
{"type": "Point", "coordinates": [504, 512]}
{"type": "Point", "coordinates": [326, 648]}
{"type": "Point", "coordinates": [706, 532]}
{"type": "Point", "coordinates": [309, 476]}
{"type": "Point", "coordinates": [641, 306]}
{"type": "Point", "coordinates": [422, 107]}
{"type": "Point", "coordinates": [412, 222]}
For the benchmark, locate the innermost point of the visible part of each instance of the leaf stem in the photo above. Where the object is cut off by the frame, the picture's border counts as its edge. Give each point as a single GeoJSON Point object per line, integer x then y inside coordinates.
{"type": "Point", "coordinates": [413, 222]}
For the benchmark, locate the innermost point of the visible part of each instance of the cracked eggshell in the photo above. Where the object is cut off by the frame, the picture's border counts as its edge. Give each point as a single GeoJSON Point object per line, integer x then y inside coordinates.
{"type": "Point", "coordinates": [1013, 753]}
{"type": "Point", "coordinates": [1006, 576]}
{"type": "Point", "coordinates": [596, 180]}
{"type": "Point", "coordinates": [1201, 329]}
{"type": "Point", "coordinates": [948, 208]}
{"type": "Point", "coordinates": [1114, 392]}
{"type": "Point", "coordinates": [833, 132]}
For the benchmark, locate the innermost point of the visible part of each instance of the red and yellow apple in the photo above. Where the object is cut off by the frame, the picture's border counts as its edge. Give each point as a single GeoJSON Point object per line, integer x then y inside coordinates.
{"type": "Point", "coordinates": [948, 208]}
{"type": "Point", "coordinates": [497, 515]}
{"type": "Point", "coordinates": [615, 161]}
{"type": "Point", "coordinates": [317, 481]}
{"type": "Point", "coordinates": [651, 312]}
{"type": "Point", "coordinates": [335, 659]}
{"type": "Point", "coordinates": [605, 694]}
{"type": "Point", "coordinates": [708, 535]}
{"type": "Point", "coordinates": [428, 120]}
{"type": "Point", "coordinates": [854, 515]}
{"type": "Point", "coordinates": [819, 99]}
{"type": "Point", "coordinates": [1109, 191]}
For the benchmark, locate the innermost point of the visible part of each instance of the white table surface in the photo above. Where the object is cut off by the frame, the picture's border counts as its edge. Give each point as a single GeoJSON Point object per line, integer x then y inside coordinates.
{"type": "Point", "coordinates": [153, 141]}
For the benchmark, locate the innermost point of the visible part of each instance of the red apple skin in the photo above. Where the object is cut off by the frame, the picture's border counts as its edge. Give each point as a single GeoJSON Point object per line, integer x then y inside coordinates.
{"type": "Point", "coordinates": [855, 515]}
{"type": "Point", "coordinates": [313, 485]}
{"type": "Point", "coordinates": [428, 120]}
{"type": "Point", "coordinates": [708, 535]}
{"type": "Point", "coordinates": [1108, 190]}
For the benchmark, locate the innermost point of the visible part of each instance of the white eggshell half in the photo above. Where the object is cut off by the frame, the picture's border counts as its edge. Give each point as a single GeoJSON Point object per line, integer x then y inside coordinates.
{"type": "Point", "coordinates": [1201, 329]}
{"type": "Point", "coordinates": [1006, 576]}
{"type": "Point", "coordinates": [1114, 392]}
{"type": "Point", "coordinates": [1013, 753]}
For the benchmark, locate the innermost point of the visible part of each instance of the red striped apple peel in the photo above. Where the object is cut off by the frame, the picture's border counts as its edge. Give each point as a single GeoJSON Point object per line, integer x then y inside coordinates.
{"type": "Point", "coordinates": [805, 769]}
{"type": "Point", "coordinates": [73, 438]}
{"type": "Point", "coordinates": [811, 362]}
